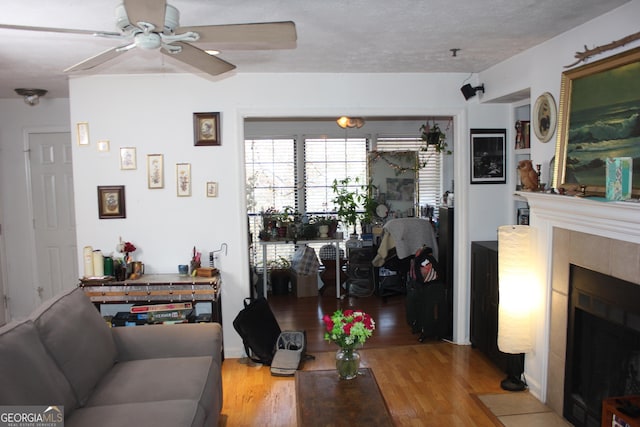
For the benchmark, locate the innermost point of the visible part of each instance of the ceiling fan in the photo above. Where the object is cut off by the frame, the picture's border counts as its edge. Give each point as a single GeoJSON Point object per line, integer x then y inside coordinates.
{"type": "Point", "coordinates": [154, 24]}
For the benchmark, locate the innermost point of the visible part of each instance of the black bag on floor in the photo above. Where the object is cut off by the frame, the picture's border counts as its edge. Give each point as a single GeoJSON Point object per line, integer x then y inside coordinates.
{"type": "Point", "coordinates": [259, 330]}
{"type": "Point", "coordinates": [425, 304]}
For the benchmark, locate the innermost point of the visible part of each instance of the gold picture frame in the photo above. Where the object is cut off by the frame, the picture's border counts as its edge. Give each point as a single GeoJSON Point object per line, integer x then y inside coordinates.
{"type": "Point", "coordinates": [103, 146]}
{"type": "Point", "coordinates": [111, 202]}
{"type": "Point", "coordinates": [206, 129]}
{"type": "Point", "coordinates": [82, 132]}
{"type": "Point", "coordinates": [128, 159]}
{"type": "Point", "coordinates": [183, 179]}
{"type": "Point", "coordinates": [155, 171]}
{"type": "Point", "coordinates": [598, 105]}
{"type": "Point", "coordinates": [545, 117]}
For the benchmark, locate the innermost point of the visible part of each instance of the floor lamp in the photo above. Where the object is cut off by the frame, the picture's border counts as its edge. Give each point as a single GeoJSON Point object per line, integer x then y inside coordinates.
{"type": "Point", "coordinates": [516, 286]}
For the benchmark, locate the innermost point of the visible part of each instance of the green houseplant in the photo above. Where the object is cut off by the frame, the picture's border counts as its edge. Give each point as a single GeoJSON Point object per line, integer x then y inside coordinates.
{"type": "Point", "coordinates": [349, 199]}
{"type": "Point", "coordinates": [433, 135]}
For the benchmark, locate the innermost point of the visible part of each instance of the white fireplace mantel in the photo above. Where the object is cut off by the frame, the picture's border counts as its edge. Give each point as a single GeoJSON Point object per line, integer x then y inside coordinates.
{"type": "Point", "coordinates": [617, 220]}
{"type": "Point", "coordinates": [613, 220]}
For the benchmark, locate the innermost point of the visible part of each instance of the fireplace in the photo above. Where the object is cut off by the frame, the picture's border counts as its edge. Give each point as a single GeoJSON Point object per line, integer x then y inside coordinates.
{"type": "Point", "coordinates": [603, 343]}
{"type": "Point", "coordinates": [602, 237]}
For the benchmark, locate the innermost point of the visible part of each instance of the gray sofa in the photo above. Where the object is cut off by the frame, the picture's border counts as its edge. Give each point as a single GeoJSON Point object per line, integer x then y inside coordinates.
{"type": "Point", "coordinates": [66, 354]}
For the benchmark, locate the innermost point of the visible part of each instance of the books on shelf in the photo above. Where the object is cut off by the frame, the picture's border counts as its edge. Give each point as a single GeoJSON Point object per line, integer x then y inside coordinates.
{"type": "Point", "coordinates": [161, 307]}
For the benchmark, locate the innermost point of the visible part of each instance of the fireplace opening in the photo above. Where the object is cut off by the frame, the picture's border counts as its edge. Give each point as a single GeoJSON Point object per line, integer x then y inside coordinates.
{"type": "Point", "coordinates": [603, 343]}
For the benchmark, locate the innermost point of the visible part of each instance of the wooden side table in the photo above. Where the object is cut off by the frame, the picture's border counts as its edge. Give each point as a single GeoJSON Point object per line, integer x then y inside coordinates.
{"type": "Point", "coordinates": [611, 406]}
{"type": "Point", "coordinates": [157, 288]}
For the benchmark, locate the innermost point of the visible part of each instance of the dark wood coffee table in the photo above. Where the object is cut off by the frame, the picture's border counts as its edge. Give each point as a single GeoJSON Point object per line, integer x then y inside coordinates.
{"type": "Point", "coordinates": [325, 400]}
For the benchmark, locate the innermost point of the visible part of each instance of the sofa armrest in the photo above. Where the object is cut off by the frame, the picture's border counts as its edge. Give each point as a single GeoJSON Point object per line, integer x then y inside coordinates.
{"type": "Point", "coordinates": [159, 341]}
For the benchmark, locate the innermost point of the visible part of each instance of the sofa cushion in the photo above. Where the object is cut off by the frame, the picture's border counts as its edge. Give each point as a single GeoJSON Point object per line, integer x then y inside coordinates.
{"type": "Point", "coordinates": [167, 413]}
{"type": "Point", "coordinates": [77, 338]}
{"type": "Point", "coordinates": [28, 374]}
{"type": "Point", "coordinates": [191, 378]}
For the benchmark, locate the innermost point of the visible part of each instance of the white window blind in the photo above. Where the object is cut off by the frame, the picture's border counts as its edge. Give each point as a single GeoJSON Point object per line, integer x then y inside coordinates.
{"type": "Point", "coordinates": [429, 176]}
{"type": "Point", "coordinates": [270, 166]}
{"type": "Point", "coordinates": [326, 160]}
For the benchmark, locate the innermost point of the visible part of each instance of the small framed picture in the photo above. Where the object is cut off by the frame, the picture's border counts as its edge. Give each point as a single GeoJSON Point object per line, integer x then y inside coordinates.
{"type": "Point", "coordinates": [488, 156]}
{"type": "Point", "coordinates": [183, 179]}
{"type": "Point", "coordinates": [103, 146]}
{"type": "Point", "coordinates": [212, 189]}
{"type": "Point", "coordinates": [545, 117]}
{"type": "Point", "coordinates": [82, 129]}
{"type": "Point", "coordinates": [111, 202]}
{"type": "Point", "coordinates": [155, 171]}
{"type": "Point", "coordinates": [206, 128]}
{"type": "Point", "coordinates": [127, 158]}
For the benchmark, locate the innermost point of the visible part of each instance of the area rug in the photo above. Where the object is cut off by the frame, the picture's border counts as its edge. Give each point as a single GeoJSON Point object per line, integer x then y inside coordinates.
{"type": "Point", "coordinates": [519, 409]}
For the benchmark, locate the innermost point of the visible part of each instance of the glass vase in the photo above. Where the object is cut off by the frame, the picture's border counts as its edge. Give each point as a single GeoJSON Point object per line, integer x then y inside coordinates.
{"type": "Point", "coordinates": [347, 363]}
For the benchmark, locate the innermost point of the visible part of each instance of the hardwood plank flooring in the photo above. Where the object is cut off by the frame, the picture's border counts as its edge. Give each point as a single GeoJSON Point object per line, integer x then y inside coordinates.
{"type": "Point", "coordinates": [424, 384]}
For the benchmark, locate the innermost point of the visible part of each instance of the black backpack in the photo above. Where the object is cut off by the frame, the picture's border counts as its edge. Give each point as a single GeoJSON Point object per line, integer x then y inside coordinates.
{"type": "Point", "coordinates": [259, 330]}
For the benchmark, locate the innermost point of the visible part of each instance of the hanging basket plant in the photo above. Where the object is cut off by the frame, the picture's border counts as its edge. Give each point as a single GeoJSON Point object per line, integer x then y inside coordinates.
{"type": "Point", "coordinates": [433, 136]}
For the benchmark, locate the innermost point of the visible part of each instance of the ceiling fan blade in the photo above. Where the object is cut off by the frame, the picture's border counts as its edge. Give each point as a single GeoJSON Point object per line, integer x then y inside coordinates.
{"type": "Point", "coordinates": [60, 30]}
{"type": "Point", "coordinates": [268, 35]}
{"type": "Point", "coordinates": [98, 59]}
{"type": "Point", "coordinates": [151, 11]}
{"type": "Point", "coordinates": [200, 59]}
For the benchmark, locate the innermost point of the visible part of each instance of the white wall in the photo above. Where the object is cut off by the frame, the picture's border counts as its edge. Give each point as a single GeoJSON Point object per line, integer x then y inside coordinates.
{"type": "Point", "coordinates": [16, 117]}
{"type": "Point", "coordinates": [154, 114]}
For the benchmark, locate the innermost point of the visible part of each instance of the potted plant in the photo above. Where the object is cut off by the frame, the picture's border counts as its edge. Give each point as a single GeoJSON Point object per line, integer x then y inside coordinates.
{"type": "Point", "coordinates": [349, 201]}
{"type": "Point", "coordinates": [433, 135]}
{"type": "Point", "coordinates": [323, 225]}
{"type": "Point", "coordinates": [280, 274]}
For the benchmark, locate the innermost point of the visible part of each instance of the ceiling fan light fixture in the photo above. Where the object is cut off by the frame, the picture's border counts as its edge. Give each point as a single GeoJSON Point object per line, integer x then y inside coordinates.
{"type": "Point", "coordinates": [31, 96]}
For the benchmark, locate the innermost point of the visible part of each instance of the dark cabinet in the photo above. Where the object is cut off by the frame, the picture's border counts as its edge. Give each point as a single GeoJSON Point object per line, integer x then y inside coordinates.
{"type": "Point", "coordinates": [484, 301]}
{"type": "Point", "coordinates": [445, 258]}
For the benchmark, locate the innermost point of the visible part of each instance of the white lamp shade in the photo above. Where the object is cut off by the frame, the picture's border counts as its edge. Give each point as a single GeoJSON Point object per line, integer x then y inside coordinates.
{"type": "Point", "coordinates": [516, 288]}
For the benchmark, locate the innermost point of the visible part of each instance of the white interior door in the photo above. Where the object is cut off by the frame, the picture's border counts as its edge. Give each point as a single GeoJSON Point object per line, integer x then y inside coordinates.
{"type": "Point", "coordinates": [53, 212]}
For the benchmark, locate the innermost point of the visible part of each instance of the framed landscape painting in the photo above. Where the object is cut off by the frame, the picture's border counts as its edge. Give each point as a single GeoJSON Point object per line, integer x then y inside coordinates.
{"type": "Point", "coordinates": [599, 118]}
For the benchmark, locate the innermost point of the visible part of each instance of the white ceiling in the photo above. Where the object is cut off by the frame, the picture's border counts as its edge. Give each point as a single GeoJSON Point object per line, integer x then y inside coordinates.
{"type": "Point", "coordinates": [334, 36]}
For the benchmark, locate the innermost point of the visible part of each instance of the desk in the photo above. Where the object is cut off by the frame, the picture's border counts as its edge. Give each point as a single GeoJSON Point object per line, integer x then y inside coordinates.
{"type": "Point", "coordinates": [264, 244]}
{"type": "Point", "coordinates": [158, 288]}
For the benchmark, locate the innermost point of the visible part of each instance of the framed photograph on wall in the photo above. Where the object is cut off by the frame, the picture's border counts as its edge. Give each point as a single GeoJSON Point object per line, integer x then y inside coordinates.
{"type": "Point", "coordinates": [155, 171]}
{"type": "Point", "coordinates": [488, 156]}
{"type": "Point", "coordinates": [183, 179]}
{"type": "Point", "coordinates": [111, 202]}
{"type": "Point", "coordinates": [82, 130]}
{"type": "Point", "coordinates": [103, 146]}
{"type": "Point", "coordinates": [544, 117]}
{"type": "Point", "coordinates": [598, 119]}
{"type": "Point", "coordinates": [206, 128]}
{"type": "Point", "coordinates": [128, 158]}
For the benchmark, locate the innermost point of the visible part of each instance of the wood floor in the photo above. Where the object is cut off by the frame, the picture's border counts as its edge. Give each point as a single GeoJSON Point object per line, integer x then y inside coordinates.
{"type": "Point", "coordinates": [424, 384]}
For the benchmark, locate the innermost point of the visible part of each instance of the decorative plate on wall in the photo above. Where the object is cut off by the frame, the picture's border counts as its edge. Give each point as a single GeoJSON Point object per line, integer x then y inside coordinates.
{"type": "Point", "coordinates": [545, 117]}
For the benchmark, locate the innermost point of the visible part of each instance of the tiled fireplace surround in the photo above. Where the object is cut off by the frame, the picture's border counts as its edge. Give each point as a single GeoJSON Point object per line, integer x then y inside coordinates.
{"type": "Point", "coordinates": [601, 236]}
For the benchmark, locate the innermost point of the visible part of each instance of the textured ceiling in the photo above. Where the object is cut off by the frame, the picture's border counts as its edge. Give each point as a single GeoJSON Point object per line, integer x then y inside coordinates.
{"type": "Point", "coordinates": [334, 36]}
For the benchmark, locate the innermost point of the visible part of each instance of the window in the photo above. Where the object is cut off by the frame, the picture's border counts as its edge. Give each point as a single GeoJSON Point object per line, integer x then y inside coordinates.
{"type": "Point", "coordinates": [326, 160]}
{"type": "Point", "coordinates": [273, 177]}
